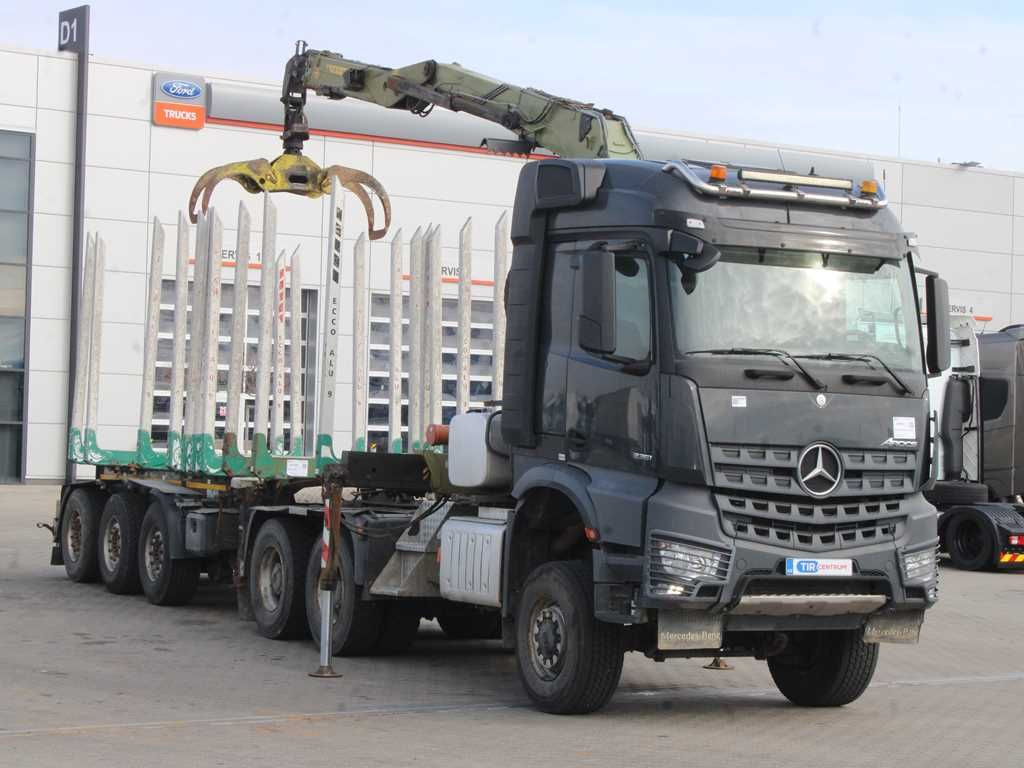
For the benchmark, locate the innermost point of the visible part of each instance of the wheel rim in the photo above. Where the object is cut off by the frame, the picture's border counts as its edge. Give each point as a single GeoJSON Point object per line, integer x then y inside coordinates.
{"type": "Point", "coordinates": [547, 638]}
{"type": "Point", "coordinates": [154, 554]}
{"type": "Point", "coordinates": [270, 575]}
{"type": "Point", "coordinates": [969, 540]}
{"type": "Point", "coordinates": [112, 545]}
{"type": "Point", "coordinates": [73, 535]}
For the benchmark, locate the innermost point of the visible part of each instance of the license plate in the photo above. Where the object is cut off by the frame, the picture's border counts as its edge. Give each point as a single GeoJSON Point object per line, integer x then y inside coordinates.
{"type": "Point", "coordinates": [819, 566]}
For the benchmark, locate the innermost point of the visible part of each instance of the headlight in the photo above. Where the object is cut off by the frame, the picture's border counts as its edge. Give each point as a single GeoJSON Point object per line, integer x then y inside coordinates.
{"type": "Point", "coordinates": [921, 565]}
{"type": "Point", "coordinates": [676, 567]}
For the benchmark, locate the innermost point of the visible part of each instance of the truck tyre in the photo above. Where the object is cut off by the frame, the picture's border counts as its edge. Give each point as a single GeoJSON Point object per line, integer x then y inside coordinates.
{"type": "Point", "coordinates": [471, 626]}
{"type": "Point", "coordinates": [118, 552]}
{"type": "Point", "coordinates": [824, 668]}
{"type": "Point", "coordinates": [356, 623]}
{"type": "Point", "coordinates": [165, 581]}
{"type": "Point", "coordinates": [398, 628]}
{"type": "Point", "coordinates": [949, 493]}
{"type": "Point", "coordinates": [276, 583]}
{"type": "Point", "coordinates": [969, 541]}
{"type": "Point", "coordinates": [79, 534]}
{"type": "Point", "coordinates": [569, 662]}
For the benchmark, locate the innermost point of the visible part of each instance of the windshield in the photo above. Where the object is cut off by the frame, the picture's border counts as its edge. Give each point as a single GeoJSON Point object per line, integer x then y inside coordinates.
{"type": "Point", "coordinates": [803, 303]}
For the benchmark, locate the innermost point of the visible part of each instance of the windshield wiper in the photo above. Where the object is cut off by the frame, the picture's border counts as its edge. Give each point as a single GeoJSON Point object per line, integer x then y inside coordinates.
{"type": "Point", "coordinates": [862, 357]}
{"type": "Point", "coordinates": [785, 357]}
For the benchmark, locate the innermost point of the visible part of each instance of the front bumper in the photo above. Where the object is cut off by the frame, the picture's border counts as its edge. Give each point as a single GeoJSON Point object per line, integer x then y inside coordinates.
{"type": "Point", "coordinates": [753, 591]}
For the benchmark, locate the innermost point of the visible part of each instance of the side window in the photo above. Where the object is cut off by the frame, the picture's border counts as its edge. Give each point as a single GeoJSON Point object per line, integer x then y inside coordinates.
{"type": "Point", "coordinates": [632, 307]}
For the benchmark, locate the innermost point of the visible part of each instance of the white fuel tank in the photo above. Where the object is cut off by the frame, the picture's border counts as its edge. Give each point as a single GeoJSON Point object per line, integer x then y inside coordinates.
{"type": "Point", "coordinates": [472, 462]}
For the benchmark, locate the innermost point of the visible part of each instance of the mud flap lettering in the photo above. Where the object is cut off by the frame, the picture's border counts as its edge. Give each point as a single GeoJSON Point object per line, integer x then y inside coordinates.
{"type": "Point", "coordinates": [903, 627]}
{"type": "Point", "coordinates": [686, 630]}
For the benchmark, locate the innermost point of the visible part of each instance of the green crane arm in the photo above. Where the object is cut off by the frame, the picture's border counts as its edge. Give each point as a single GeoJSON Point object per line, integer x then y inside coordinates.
{"type": "Point", "coordinates": [565, 127]}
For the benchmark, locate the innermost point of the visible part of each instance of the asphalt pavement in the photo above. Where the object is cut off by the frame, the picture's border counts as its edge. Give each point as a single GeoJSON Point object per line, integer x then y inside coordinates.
{"type": "Point", "coordinates": [88, 678]}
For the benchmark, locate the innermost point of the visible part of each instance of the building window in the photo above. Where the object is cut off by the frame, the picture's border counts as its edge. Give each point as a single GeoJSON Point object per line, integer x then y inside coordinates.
{"type": "Point", "coordinates": [15, 199]}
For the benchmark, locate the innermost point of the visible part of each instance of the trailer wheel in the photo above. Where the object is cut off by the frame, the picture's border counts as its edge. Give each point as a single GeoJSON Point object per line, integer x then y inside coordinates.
{"type": "Point", "coordinates": [79, 534]}
{"type": "Point", "coordinates": [569, 662]}
{"type": "Point", "coordinates": [276, 583]}
{"type": "Point", "coordinates": [969, 541]}
{"type": "Point", "coordinates": [118, 545]}
{"type": "Point", "coordinates": [165, 581]}
{"type": "Point", "coordinates": [471, 626]}
{"type": "Point", "coordinates": [355, 624]}
{"type": "Point", "coordinates": [824, 668]}
{"type": "Point", "coordinates": [398, 628]}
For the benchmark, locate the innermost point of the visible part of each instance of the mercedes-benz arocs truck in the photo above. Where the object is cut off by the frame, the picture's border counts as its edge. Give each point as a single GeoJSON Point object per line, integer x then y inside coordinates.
{"type": "Point", "coordinates": [712, 440]}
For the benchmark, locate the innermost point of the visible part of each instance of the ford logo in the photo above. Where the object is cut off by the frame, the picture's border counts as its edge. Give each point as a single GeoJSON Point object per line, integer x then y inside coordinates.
{"type": "Point", "coordinates": [181, 89]}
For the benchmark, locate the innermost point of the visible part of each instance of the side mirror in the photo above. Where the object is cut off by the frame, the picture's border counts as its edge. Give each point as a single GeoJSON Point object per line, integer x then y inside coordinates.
{"type": "Point", "coordinates": [692, 254]}
{"type": "Point", "coordinates": [597, 315]}
{"type": "Point", "coordinates": [937, 297]}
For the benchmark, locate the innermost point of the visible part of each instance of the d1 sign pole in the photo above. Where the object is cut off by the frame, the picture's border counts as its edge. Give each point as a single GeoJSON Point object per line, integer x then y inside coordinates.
{"type": "Point", "coordinates": [73, 35]}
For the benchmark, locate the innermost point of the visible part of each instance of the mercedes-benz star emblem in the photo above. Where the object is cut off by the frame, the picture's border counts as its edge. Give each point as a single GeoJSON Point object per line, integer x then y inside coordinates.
{"type": "Point", "coordinates": [819, 469]}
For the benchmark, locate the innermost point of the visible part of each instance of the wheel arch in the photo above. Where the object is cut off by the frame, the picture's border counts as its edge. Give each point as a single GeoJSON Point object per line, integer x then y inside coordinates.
{"type": "Point", "coordinates": [552, 512]}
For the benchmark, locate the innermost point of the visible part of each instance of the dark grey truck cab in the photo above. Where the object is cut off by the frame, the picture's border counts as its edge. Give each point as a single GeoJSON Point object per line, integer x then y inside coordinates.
{"type": "Point", "coordinates": [716, 406]}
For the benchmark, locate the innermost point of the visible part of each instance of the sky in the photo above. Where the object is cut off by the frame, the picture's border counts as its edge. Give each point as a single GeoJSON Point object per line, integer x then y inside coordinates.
{"type": "Point", "coordinates": [923, 80]}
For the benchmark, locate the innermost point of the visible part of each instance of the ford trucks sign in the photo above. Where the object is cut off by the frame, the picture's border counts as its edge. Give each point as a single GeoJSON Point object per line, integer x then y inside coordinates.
{"type": "Point", "coordinates": [179, 101]}
{"type": "Point", "coordinates": [182, 89]}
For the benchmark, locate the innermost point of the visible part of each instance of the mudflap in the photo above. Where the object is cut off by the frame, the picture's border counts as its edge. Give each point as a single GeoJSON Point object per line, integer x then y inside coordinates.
{"type": "Point", "coordinates": [689, 630]}
{"type": "Point", "coordinates": [901, 627]}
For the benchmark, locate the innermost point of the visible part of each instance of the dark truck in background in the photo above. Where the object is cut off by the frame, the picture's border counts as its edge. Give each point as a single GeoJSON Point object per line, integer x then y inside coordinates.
{"type": "Point", "coordinates": [979, 402]}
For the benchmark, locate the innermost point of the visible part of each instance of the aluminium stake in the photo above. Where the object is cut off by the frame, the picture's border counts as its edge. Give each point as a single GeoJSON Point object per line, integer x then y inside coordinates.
{"type": "Point", "coordinates": [175, 428]}
{"type": "Point", "coordinates": [295, 309]}
{"type": "Point", "coordinates": [359, 330]}
{"type": "Point", "coordinates": [395, 348]}
{"type": "Point", "coordinates": [234, 412]}
{"type": "Point", "coordinates": [465, 314]}
{"type": "Point", "coordinates": [500, 278]}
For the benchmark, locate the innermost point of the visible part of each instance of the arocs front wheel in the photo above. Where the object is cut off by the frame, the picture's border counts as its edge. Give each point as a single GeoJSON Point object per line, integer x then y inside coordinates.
{"type": "Point", "coordinates": [969, 541]}
{"type": "Point", "coordinates": [276, 583]}
{"type": "Point", "coordinates": [824, 668]}
{"type": "Point", "coordinates": [79, 534]}
{"type": "Point", "coordinates": [118, 553]}
{"type": "Point", "coordinates": [355, 623]}
{"type": "Point", "coordinates": [164, 581]}
{"type": "Point", "coordinates": [569, 662]}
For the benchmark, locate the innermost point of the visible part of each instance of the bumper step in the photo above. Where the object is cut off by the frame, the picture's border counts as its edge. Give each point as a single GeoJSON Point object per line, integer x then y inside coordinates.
{"type": "Point", "coordinates": [808, 605]}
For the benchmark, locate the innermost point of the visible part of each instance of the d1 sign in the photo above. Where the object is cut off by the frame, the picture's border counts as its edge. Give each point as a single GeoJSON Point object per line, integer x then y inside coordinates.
{"type": "Point", "coordinates": [179, 101]}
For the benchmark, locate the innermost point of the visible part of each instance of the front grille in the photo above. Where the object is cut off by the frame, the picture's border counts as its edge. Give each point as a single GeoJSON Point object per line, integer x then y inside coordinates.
{"type": "Point", "coordinates": [797, 523]}
{"type": "Point", "coordinates": [773, 469]}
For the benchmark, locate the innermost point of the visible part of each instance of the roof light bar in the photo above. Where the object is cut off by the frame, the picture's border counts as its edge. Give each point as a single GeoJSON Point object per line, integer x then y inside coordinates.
{"type": "Point", "coordinates": [797, 196]}
{"type": "Point", "coordinates": [796, 179]}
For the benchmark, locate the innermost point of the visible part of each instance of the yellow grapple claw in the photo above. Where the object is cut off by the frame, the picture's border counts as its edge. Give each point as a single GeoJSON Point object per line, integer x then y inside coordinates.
{"type": "Point", "coordinates": [298, 175]}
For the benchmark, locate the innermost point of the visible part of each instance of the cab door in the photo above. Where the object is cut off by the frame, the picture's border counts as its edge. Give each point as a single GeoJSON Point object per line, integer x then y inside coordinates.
{"type": "Point", "coordinates": [612, 379]}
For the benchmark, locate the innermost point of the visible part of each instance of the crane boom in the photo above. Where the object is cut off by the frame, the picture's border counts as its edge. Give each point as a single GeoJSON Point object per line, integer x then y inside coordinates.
{"type": "Point", "coordinates": [565, 127]}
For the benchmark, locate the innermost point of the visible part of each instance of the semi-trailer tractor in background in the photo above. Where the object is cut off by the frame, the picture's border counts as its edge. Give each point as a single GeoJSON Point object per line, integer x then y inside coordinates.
{"type": "Point", "coordinates": [978, 404]}
{"type": "Point", "coordinates": [712, 436]}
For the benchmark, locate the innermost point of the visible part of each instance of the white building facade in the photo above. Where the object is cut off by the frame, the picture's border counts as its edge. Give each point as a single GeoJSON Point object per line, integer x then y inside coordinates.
{"type": "Point", "coordinates": [969, 223]}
